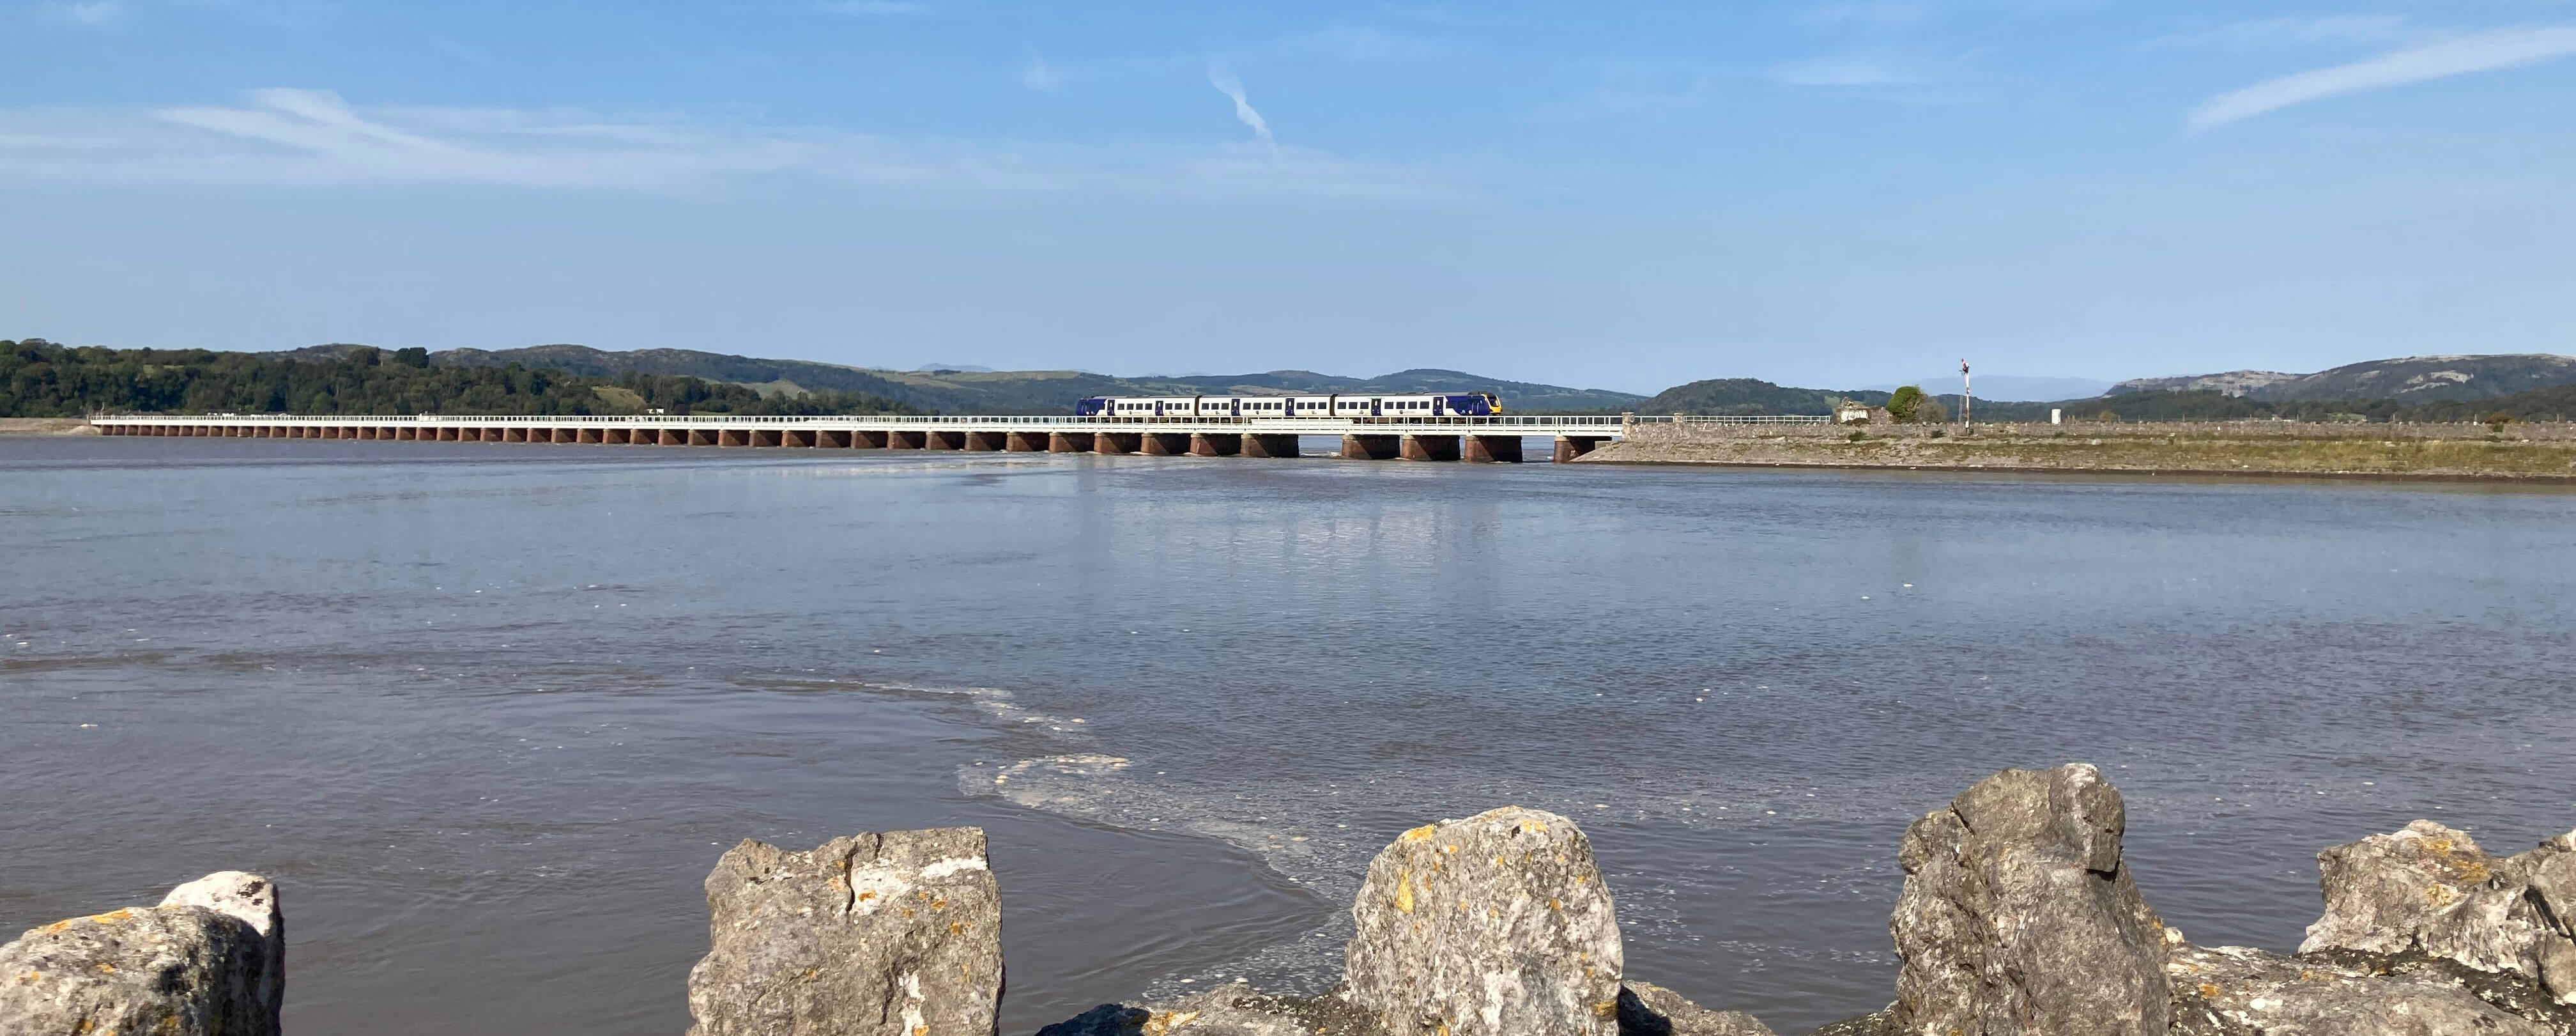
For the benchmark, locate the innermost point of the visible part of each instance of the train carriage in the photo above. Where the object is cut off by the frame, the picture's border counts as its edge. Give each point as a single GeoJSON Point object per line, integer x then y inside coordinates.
{"type": "Point", "coordinates": [1326, 407]}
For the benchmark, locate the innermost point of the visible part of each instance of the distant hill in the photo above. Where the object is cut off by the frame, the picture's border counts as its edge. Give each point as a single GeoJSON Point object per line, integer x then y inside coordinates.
{"type": "Point", "coordinates": [1525, 396]}
{"type": "Point", "coordinates": [960, 390]}
{"type": "Point", "coordinates": [2408, 380]}
{"type": "Point", "coordinates": [42, 379]}
{"type": "Point", "coordinates": [2004, 387]}
{"type": "Point", "coordinates": [2555, 403]}
{"type": "Point", "coordinates": [1747, 396]}
{"type": "Point", "coordinates": [2232, 383]}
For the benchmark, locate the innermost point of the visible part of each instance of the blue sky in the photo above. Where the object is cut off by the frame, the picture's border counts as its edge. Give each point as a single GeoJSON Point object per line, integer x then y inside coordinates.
{"type": "Point", "coordinates": [1618, 195]}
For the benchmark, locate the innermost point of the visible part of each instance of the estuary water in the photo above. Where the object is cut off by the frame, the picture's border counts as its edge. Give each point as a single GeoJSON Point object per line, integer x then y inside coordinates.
{"type": "Point", "coordinates": [489, 713]}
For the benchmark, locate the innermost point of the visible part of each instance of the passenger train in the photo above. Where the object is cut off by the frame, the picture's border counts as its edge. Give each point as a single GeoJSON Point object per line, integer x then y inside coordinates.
{"type": "Point", "coordinates": [1453, 404]}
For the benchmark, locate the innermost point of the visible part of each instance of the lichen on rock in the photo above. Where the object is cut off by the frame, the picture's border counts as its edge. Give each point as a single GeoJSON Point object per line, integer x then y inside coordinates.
{"type": "Point", "coordinates": [209, 961]}
{"type": "Point", "coordinates": [894, 934]}
{"type": "Point", "coordinates": [2235, 991]}
{"type": "Point", "coordinates": [1495, 925]}
{"type": "Point", "coordinates": [2430, 890]}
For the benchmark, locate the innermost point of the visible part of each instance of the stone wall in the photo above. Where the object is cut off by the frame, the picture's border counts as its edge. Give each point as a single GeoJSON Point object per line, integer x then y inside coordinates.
{"type": "Point", "coordinates": [1672, 432]}
{"type": "Point", "coordinates": [2533, 451]}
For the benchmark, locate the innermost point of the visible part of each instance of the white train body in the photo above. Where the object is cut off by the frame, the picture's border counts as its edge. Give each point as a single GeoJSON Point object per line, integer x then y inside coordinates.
{"type": "Point", "coordinates": [1330, 407]}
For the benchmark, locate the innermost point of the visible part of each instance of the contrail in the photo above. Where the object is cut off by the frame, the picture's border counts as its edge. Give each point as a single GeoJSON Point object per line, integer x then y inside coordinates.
{"type": "Point", "coordinates": [2479, 52]}
{"type": "Point", "coordinates": [1222, 78]}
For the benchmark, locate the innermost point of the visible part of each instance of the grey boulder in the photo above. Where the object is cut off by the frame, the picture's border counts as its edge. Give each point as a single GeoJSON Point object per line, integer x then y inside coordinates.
{"type": "Point", "coordinates": [209, 961]}
{"type": "Point", "coordinates": [2430, 890]}
{"type": "Point", "coordinates": [1496, 925]}
{"type": "Point", "coordinates": [1230, 1010]}
{"type": "Point", "coordinates": [2018, 917]}
{"type": "Point", "coordinates": [894, 934]}
{"type": "Point", "coordinates": [2234, 991]}
{"type": "Point", "coordinates": [1651, 1010]}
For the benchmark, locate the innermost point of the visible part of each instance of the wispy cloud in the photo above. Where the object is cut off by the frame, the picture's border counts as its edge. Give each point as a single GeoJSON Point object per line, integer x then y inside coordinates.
{"type": "Point", "coordinates": [1880, 13]}
{"type": "Point", "coordinates": [316, 138]}
{"type": "Point", "coordinates": [871, 8]}
{"type": "Point", "coordinates": [2480, 52]}
{"type": "Point", "coordinates": [2268, 33]}
{"type": "Point", "coordinates": [1363, 43]}
{"type": "Point", "coordinates": [1042, 77]}
{"type": "Point", "coordinates": [91, 13]}
{"type": "Point", "coordinates": [1224, 80]}
{"type": "Point", "coordinates": [1634, 88]}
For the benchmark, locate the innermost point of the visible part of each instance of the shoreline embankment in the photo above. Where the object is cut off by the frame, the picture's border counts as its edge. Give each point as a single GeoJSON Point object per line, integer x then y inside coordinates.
{"type": "Point", "coordinates": [2530, 453]}
{"type": "Point", "coordinates": [47, 426]}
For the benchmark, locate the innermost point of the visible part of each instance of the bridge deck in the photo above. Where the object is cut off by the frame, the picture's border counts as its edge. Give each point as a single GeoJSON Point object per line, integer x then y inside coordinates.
{"type": "Point", "coordinates": [1379, 438]}
{"type": "Point", "coordinates": [1499, 425]}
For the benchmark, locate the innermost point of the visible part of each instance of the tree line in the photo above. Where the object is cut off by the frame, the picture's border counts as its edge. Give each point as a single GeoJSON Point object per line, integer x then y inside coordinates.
{"type": "Point", "coordinates": [45, 379]}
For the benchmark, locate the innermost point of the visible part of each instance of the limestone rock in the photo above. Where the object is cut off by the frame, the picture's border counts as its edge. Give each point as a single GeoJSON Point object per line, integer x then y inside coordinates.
{"type": "Point", "coordinates": [1231, 1010]}
{"type": "Point", "coordinates": [252, 900]}
{"type": "Point", "coordinates": [1875, 1023]}
{"type": "Point", "coordinates": [2235, 991]}
{"type": "Point", "coordinates": [209, 961]}
{"type": "Point", "coordinates": [1651, 1010]}
{"type": "Point", "coordinates": [1496, 925]}
{"type": "Point", "coordinates": [2510, 992]}
{"type": "Point", "coordinates": [2430, 889]}
{"type": "Point", "coordinates": [2018, 917]}
{"type": "Point", "coordinates": [2551, 869]}
{"type": "Point", "coordinates": [894, 934]}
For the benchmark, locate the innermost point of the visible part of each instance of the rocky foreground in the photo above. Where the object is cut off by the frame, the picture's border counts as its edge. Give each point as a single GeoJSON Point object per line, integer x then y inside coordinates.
{"type": "Point", "coordinates": [2018, 917]}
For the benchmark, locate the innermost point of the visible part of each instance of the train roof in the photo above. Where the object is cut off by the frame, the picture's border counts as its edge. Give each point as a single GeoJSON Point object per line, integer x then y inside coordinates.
{"type": "Point", "coordinates": [1288, 395]}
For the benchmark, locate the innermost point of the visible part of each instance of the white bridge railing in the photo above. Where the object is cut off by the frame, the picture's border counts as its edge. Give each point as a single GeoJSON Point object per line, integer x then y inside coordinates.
{"type": "Point", "coordinates": [1499, 421]}
{"type": "Point", "coordinates": [1689, 419]}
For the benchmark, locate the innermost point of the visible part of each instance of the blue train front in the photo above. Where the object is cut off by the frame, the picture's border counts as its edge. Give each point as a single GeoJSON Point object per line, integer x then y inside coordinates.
{"type": "Point", "coordinates": [1148, 408]}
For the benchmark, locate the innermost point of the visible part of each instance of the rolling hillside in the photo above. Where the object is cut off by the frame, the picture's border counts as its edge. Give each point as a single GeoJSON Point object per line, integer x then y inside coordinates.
{"type": "Point", "coordinates": [1749, 396]}
{"type": "Point", "coordinates": [2408, 380]}
{"type": "Point", "coordinates": [959, 391]}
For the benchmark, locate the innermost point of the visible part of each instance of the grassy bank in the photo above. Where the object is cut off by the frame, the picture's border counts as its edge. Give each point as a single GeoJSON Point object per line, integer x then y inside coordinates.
{"type": "Point", "coordinates": [2453, 452]}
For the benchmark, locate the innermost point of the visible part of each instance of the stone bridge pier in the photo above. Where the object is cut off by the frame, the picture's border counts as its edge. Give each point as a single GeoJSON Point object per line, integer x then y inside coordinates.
{"type": "Point", "coordinates": [1371, 447]}
{"type": "Point", "coordinates": [1430, 447]}
{"type": "Point", "coordinates": [1270, 446]}
{"type": "Point", "coordinates": [1483, 449]}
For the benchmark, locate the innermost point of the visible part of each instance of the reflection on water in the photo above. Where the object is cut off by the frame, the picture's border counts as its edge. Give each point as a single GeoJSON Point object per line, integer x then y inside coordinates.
{"type": "Point", "coordinates": [490, 713]}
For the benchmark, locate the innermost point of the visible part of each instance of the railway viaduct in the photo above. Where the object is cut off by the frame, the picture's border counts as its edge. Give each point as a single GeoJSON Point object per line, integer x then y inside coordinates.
{"type": "Point", "coordinates": [1473, 439]}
